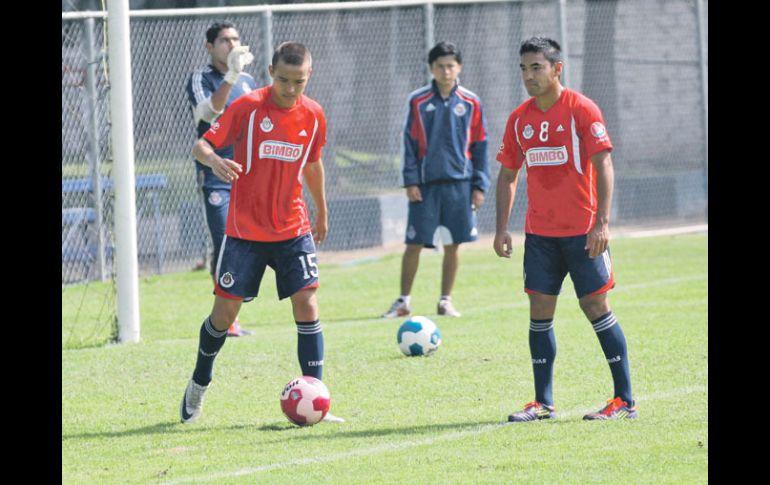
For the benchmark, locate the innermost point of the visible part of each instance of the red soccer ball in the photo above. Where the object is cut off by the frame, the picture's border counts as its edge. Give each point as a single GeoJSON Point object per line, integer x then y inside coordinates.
{"type": "Point", "coordinates": [305, 400]}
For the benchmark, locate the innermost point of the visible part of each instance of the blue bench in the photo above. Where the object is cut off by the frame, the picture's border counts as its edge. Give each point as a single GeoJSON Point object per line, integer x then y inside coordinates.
{"type": "Point", "coordinates": [75, 244]}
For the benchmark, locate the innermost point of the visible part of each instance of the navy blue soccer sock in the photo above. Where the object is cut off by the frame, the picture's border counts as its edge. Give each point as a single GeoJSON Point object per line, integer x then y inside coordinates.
{"type": "Point", "coordinates": [211, 340]}
{"type": "Point", "coordinates": [613, 343]}
{"type": "Point", "coordinates": [542, 348]}
{"type": "Point", "coordinates": [310, 348]}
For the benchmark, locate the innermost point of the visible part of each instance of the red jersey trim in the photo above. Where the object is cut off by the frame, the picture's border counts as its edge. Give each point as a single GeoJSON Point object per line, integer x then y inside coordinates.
{"type": "Point", "coordinates": [604, 289]}
{"type": "Point", "coordinates": [220, 292]}
{"type": "Point", "coordinates": [418, 128]}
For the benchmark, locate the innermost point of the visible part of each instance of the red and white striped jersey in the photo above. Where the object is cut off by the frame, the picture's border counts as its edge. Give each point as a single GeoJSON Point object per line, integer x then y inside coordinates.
{"type": "Point", "coordinates": [272, 145]}
{"type": "Point", "coordinates": [557, 146]}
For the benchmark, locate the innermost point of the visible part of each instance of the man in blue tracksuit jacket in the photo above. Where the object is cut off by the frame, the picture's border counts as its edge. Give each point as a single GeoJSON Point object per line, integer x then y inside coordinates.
{"type": "Point", "coordinates": [445, 172]}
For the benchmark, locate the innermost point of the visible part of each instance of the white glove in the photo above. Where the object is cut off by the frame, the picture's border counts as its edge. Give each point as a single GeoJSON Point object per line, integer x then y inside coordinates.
{"type": "Point", "coordinates": [237, 59]}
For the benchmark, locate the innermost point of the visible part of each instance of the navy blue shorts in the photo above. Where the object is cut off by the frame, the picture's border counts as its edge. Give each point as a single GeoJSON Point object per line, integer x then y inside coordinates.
{"type": "Point", "coordinates": [547, 260]}
{"type": "Point", "coordinates": [242, 263]}
{"type": "Point", "coordinates": [216, 202]}
{"type": "Point", "coordinates": [445, 209]}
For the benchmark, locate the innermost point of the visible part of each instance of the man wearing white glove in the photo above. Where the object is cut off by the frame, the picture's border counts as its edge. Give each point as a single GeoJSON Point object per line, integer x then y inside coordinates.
{"type": "Point", "coordinates": [211, 90]}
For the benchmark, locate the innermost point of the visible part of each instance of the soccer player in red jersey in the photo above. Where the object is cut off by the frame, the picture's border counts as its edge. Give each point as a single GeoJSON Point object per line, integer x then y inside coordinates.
{"type": "Point", "coordinates": [210, 90]}
{"type": "Point", "coordinates": [560, 135]}
{"type": "Point", "coordinates": [277, 133]}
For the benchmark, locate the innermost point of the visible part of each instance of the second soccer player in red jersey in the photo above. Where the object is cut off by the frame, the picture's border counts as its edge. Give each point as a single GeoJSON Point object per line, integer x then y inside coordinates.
{"type": "Point", "coordinates": [560, 135]}
{"type": "Point", "coordinates": [277, 133]}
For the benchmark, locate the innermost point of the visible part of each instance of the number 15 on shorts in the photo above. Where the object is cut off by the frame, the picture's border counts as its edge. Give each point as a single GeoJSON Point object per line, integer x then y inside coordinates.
{"type": "Point", "coordinates": [308, 262]}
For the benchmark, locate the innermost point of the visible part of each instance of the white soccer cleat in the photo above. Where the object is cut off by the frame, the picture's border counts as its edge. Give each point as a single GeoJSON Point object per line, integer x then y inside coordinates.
{"type": "Point", "coordinates": [399, 308]}
{"type": "Point", "coordinates": [446, 308]}
{"type": "Point", "coordinates": [330, 418]}
{"type": "Point", "coordinates": [192, 402]}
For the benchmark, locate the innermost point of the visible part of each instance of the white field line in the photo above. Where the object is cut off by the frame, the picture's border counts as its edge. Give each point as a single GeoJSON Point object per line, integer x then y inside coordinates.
{"type": "Point", "coordinates": [673, 231]}
{"type": "Point", "coordinates": [390, 447]}
{"type": "Point", "coordinates": [525, 302]}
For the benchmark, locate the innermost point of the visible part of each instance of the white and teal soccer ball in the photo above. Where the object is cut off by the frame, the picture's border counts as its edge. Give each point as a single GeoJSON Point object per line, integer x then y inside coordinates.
{"type": "Point", "coordinates": [418, 336]}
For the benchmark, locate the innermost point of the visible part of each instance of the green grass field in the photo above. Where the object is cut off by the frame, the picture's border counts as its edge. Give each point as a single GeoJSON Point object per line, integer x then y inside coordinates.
{"type": "Point", "coordinates": [438, 419]}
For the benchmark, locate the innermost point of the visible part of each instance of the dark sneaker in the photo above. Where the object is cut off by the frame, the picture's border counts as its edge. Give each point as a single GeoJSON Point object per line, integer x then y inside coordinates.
{"type": "Point", "coordinates": [615, 409]}
{"type": "Point", "coordinates": [192, 402]}
{"type": "Point", "coordinates": [533, 411]}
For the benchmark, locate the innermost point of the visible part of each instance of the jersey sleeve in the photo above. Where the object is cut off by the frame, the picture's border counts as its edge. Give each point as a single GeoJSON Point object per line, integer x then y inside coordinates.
{"type": "Point", "coordinates": [410, 164]}
{"type": "Point", "coordinates": [591, 128]}
{"type": "Point", "coordinates": [479, 150]}
{"type": "Point", "coordinates": [320, 138]}
{"type": "Point", "coordinates": [224, 131]}
{"type": "Point", "coordinates": [199, 91]}
{"type": "Point", "coordinates": [199, 88]}
{"type": "Point", "coordinates": [510, 154]}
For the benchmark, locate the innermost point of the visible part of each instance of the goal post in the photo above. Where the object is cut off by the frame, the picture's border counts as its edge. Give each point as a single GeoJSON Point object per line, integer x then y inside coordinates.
{"type": "Point", "coordinates": [122, 138]}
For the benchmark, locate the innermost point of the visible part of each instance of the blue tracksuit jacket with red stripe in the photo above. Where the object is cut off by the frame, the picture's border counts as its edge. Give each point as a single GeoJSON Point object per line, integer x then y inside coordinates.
{"type": "Point", "coordinates": [445, 139]}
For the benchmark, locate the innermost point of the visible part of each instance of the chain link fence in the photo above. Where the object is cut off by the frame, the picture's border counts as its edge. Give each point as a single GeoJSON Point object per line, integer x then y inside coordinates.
{"type": "Point", "coordinates": [639, 60]}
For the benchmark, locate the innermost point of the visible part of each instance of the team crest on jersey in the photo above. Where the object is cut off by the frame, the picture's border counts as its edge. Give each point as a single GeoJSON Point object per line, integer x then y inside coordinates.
{"type": "Point", "coordinates": [215, 198]}
{"type": "Point", "coordinates": [280, 150]}
{"type": "Point", "coordinates": [227, 280]}
{"type": "Point", "coordinates": [598, 130]}
{"type": "Point", "coordinates": [214, 127]}
{"type": "Point", "coordinates": [528, 131]}
{"type": "Point", "coordinates": [410, 232]}
{"type": "Point", "coordinates": [546, 156]}
{"type": "Point", "coordinates": [460, 109]}
{"type": "Point", "coordinates": [266, 125]}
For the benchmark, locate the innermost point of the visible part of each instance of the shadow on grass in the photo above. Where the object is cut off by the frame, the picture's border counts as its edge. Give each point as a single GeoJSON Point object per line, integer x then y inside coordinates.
{"type": "Point", "coordinates": [301, 432]}
{"type": "Point", "coordinates": [160, 428]}
{"type": "Point", "coordinates": [428, 430]}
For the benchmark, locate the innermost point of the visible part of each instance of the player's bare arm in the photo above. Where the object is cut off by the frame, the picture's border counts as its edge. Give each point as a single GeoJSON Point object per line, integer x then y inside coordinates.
{"type": "Point", "coordinates": [224, 168]}
{"type": "Point", "coordinates": [506, 191]}
{"type": "Point", "coordinates": [314, 178]}
{"type": "Point", "coordinates": [599, 236]}
{"type": "Point", "coordinates": [413, 193]}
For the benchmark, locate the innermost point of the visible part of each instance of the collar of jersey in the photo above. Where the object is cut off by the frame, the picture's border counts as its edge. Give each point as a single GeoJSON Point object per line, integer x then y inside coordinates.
{"type": "Point", "coordinates": [216, 71]}
{"type": "Point", "coordinates": [438, 93]}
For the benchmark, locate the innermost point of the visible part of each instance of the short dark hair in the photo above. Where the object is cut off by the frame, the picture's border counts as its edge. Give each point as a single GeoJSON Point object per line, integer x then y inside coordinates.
{"type": "Point", "coordinates": [444, 49]}
{"type": "Point", "coordinates": [215, 28]}
{"type": "Point", "coordinates": [549, 47]}
{"type": "Point", "coordinates": [292, 53]}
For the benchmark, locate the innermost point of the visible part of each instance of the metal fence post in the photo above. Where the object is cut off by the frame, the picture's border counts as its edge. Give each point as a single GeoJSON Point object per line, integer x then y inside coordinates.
{"type": "Point", "coordinates": [93, 143]}
{"type": "Point", "coordinates": [267, 43]}
{"type": "Point", "coordinates": [429, 38]}
{"type": "Point", "coordinates": [562, 7]}
{"type": "Point", "coordinates": [704, 90]}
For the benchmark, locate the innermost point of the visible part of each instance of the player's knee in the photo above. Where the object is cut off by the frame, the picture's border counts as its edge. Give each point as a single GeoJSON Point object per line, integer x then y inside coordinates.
{"type": "Point", "coordinates": [412, 249]}
{"type": "Point", "coordinates": [594, 306]}
{"type": "Point", "coordinates": [224, 313]}
{"type": "Point", "coordinates": [305, 305]}
{"type": "Point", "coordinates": [304, 299]}
{"type": "Point", "coordinates": [542, 307]}
{"type": "Point", "coordinates": [222, 320]}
